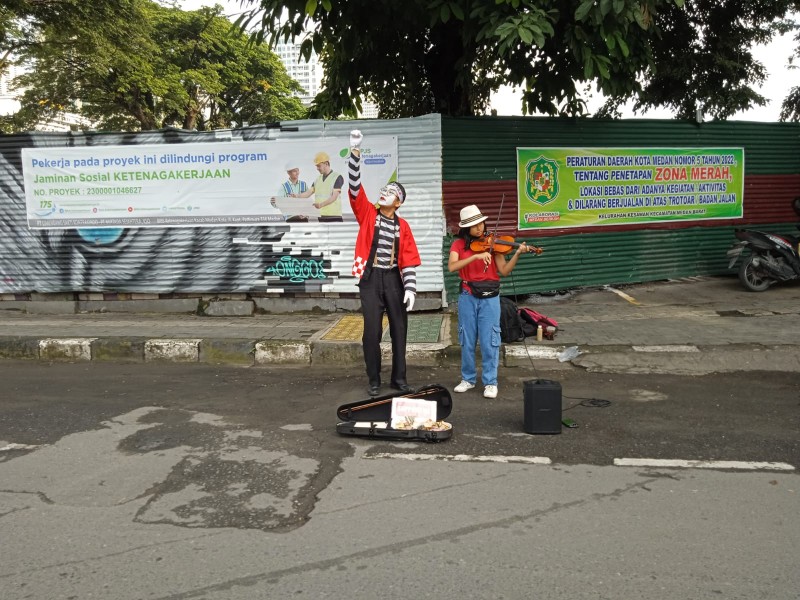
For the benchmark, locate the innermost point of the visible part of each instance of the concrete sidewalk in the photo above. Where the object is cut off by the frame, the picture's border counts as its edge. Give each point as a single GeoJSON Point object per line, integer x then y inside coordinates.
{"type": "Point", "coordinates": [692, 326]}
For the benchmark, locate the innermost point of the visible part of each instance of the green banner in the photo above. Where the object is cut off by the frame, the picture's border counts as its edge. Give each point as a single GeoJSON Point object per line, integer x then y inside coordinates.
{"type": "Point", "coordinates": [587, 187]}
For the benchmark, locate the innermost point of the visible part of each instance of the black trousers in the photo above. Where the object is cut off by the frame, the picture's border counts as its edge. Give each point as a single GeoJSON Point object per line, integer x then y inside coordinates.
{"type": "Point", "coordinates": [383, 292]}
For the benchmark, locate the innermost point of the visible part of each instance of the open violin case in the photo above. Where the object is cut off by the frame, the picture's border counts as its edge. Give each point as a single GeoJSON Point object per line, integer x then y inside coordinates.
{"type": "Point", "coordinates": [372, 417]}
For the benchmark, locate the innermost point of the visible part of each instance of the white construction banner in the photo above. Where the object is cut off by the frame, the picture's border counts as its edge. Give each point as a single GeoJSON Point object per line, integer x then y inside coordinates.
{"type": "Point", "coordinates": [199, 185]}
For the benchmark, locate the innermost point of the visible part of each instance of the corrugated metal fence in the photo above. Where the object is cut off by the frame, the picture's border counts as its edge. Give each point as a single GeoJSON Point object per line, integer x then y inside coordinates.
{"type": "Point", "coordinates": [479, 162]}
{"type": "Point", "coordinates": [445, 163]}
{"type": "Point", "coordinates": [214, 260]}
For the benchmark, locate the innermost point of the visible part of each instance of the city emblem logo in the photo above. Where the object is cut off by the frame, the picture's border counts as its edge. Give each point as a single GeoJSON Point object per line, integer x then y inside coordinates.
{"type": "Point", "coordinates": [541, 180]}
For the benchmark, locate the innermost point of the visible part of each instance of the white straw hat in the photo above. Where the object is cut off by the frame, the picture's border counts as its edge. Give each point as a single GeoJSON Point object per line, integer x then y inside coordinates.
{"type": "Point", "coordinates": [471, 215]}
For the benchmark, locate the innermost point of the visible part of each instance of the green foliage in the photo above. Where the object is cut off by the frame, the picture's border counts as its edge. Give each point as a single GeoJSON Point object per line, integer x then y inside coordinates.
{"type": "Point", "coordinates": [703, 58]}
{"type": "Point", "coordinates": [151, 66]}
{"type": "Point", "coordinates": [790, 108]}
{"type": "Point", "coordinates": [21, 21]}
{"type": "Point", "coordinates": [448, 56]}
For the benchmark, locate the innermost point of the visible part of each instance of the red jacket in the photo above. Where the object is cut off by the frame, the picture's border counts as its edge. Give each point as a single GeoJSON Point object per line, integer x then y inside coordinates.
{"type": "Point", "coordinates": [366, 215]}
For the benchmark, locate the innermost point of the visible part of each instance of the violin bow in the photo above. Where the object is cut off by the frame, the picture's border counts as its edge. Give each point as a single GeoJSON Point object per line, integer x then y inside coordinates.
{"type": "Point", "coordinates": [497, 223]}
{"type": "Point", "coordinates": [496, 227]}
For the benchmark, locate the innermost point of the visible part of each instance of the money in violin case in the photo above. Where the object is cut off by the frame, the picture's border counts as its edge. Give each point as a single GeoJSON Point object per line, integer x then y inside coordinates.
{"type": "Point", "coordinates": [372, 417]}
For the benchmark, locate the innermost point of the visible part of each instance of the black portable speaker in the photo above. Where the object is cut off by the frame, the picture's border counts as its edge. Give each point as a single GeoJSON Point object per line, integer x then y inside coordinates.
{"type": "Point", "coordinates": [542, 413]}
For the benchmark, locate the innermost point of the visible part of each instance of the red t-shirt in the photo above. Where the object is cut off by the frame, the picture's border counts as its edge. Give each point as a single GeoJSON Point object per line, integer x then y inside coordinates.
{"type": "Point", "coordinates": [476, 270]}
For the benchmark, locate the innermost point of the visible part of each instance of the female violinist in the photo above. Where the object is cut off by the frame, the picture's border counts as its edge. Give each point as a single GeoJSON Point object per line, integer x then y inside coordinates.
{"type": "Point", "coordinates": [479, 302]}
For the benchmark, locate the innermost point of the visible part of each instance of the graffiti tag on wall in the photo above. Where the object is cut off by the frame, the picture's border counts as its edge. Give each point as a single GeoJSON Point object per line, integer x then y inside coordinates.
{"type": "Point", "coordinates": [297, 271]}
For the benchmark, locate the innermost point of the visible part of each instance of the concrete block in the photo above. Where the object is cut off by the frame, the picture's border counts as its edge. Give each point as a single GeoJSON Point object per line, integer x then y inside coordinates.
{"type": "Point", "coordinates": [347, 304]}
{"type": "Point", "coordinates": [19, 348]}
{"type": "Point", "coordinates": [277, 352]}
{"type": "Point", "coordinates": [173, 306]}
{"type": "Point", "coordinates": [117, 349]}
{"type": "Point", "coordinates": [278, 305]}
{"type": "Point", "coordinates": [421, 355]}
{"type": "Point", "coordinates": [172, 350]}
{"type": "Point", "coordinates": [50, 307]}
{"type": "Point", "coordinates": [125, 296]}
{"type": "Point", "coordinates": [66, 349]}
{"type": "Point", "coordinates": [451, 355]}
{"type": "Point", "coordinates": [224, 352]}
{"type": "Point", "coordinates": [18, 305]}
{"type": "Point", "coordinates": [338, 353]}
{"type": "Point", "coordinates": [423, 302]}
{"type": "Point", "coordinates": [53, 297]}
{"type": "Point", "coordinates": [229, 308]}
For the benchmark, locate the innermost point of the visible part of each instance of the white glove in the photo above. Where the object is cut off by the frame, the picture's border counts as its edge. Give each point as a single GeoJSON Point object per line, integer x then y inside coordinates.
{"type": "Point", "coordinates": [408, 300]}
{"type": "Point", "coordinates": [356, 138]}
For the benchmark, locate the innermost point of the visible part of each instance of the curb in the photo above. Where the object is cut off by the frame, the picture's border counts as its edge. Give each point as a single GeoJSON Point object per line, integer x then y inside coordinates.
{"type": "Point", "coordinates": [241, 352]}
{"type": "Point", "coordinates": [72, 349]}
{"type": "Point", "coordinates": [246, 352]}
{"type": "Point", "coordinates": [665, 359]}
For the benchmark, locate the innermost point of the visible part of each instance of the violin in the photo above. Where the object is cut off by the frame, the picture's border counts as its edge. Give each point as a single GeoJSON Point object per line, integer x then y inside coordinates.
{"type": "Point", "coordinates": [499, 244]}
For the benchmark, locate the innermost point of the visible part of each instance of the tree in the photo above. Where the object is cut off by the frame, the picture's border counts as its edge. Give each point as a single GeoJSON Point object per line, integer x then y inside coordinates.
{"type": "Point", "coordinates": [22, 20]}
{"type": "Point", "coordinates": [225, 78]}
{"type": "Point", "coordinates": [448, 56]}
{"type": "Point", "coordinates": [790, 108]}
{"type": "Point", "coordinates": [152, 67]}
{"type": "Point", "coordinates": [703, 59]}
{"type": "Point", "coordinates": [71, 68]}
{"type": "Point", "coordinates": [22, 23]}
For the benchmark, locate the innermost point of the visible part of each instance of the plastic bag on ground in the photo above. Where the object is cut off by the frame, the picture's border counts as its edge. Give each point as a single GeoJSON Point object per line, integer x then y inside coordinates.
{"type": "Point", "coordinates": [569, 354]}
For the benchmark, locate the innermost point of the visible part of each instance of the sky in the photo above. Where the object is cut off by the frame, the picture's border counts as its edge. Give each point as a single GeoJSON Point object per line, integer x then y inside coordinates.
{"type": "Point", "coordinates": [775, 56]}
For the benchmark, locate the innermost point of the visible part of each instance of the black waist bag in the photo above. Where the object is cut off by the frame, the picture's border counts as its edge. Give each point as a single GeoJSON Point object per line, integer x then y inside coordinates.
{"type": "Point", "coordinates": [484, 289]}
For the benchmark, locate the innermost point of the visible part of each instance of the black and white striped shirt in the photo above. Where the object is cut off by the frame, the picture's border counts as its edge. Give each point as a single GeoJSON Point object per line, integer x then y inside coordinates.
{"type": "Point", "coordinates": [386, 252]}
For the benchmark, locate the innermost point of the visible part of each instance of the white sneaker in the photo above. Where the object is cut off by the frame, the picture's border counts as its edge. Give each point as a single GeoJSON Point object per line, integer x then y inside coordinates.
{"type": "Point", "coordinates": [490, 391]}
{"type": "Point", "coordinates": [463, 386]}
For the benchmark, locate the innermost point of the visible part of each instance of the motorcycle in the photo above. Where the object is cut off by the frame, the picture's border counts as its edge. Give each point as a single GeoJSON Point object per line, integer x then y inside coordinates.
{"type": "Point", "coordinates": [772, 258]}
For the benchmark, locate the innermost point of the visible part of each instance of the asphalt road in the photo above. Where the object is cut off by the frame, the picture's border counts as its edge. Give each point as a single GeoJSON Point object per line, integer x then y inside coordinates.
{"type": "Point", "coordinates": [190, 481]}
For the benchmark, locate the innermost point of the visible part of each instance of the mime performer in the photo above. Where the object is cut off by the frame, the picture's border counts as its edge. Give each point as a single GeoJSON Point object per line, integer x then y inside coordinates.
{"type": "Point", "coordinates": [385, 262]}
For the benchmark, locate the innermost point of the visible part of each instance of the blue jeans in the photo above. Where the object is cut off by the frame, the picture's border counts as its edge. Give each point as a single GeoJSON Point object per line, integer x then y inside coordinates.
{"type": "Point", "coordinates": [479, 321]}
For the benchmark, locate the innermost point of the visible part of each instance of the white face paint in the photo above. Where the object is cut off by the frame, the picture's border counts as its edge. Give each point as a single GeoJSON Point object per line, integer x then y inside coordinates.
{"type": "Point", "coordinates": [389, 193]}
{"type": "Point", "coordinates": [387, 199]}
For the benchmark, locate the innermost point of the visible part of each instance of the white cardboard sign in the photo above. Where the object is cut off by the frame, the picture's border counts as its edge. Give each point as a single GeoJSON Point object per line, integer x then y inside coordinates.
{"type": "Point", "coordinates": [413, 411]}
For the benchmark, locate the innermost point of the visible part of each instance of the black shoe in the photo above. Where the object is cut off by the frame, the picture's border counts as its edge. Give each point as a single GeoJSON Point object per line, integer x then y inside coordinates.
{"type": "Point", "coordinates": [374, 389]}
{"type": "Point", "coordinates": [403, 387]}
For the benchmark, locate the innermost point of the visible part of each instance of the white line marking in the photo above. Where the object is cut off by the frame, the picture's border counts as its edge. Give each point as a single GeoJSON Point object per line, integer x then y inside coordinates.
{"type": "Point", "coordinates": [532, 460]}
{"type": "Point", "coordinates": [671, 348]}
{"type": "Point", "coordinates": [9, 447]}
{"type": "Point", "coordinates": [533, 351]}
{"type": "Point", "coordinates": [619, 462]}
{"type": "Point", "coordinates": [298, 427]}
{"type": "Point", "coordinates": [622, 294]}
{"type": "Point", "coordinates": [702, 464]}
